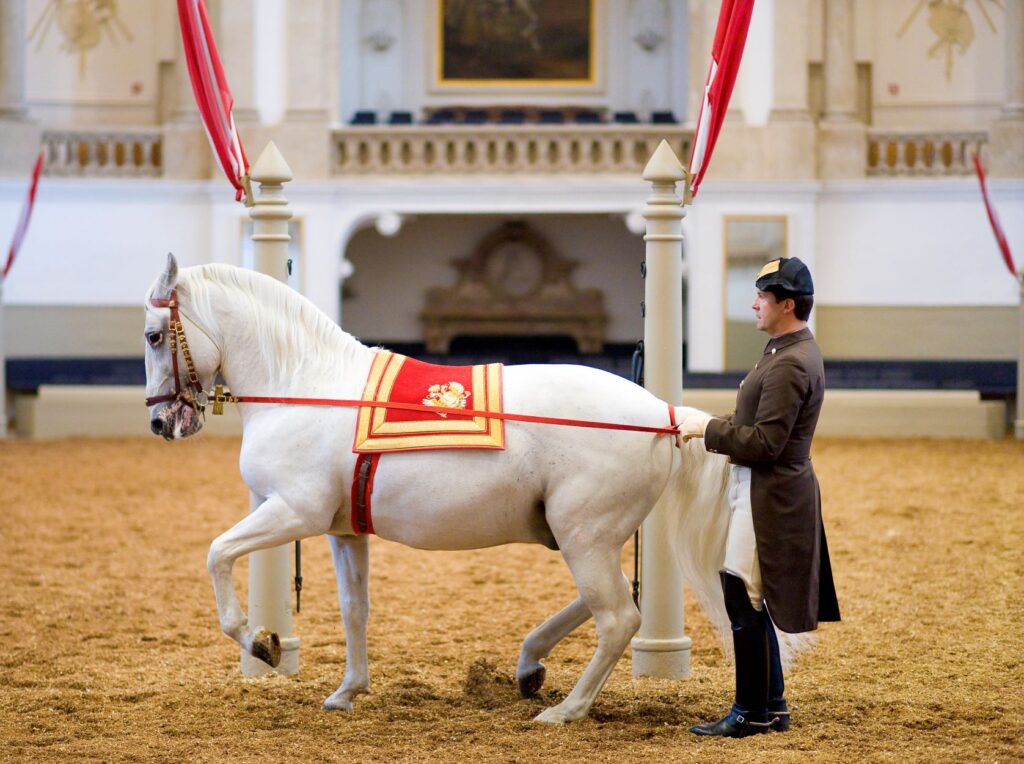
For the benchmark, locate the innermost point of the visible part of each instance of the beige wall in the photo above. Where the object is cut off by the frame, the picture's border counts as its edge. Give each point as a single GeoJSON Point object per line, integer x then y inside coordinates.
{"type": "Point", "coordinates": [106, 74]}
{"type": "Point", "coordinates": [72, 331]}
{"type": "Point", "coordinates": [917, 333]}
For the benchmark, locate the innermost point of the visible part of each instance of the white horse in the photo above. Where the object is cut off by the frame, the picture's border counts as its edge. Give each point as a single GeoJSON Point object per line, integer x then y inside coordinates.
{"type": "Point", "coordinates": [581, 491]}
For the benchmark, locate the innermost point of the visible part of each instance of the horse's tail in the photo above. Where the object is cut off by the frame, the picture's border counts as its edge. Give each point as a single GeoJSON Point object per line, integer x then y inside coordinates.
{"type": "Point", "coordinates": [698, 528]}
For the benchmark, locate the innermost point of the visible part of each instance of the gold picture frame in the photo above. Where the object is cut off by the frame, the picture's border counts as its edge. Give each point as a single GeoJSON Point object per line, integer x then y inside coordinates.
{"type": "Point", "coordinates": [515, 44]}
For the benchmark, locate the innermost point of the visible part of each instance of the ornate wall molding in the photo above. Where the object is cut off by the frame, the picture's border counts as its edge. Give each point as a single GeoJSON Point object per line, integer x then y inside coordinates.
{"type": "Point", "coordinates": [514, 284]}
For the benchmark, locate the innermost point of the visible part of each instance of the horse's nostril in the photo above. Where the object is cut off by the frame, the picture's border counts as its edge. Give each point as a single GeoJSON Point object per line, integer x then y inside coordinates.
{"type": "Point", "coordinates": [156, 425]}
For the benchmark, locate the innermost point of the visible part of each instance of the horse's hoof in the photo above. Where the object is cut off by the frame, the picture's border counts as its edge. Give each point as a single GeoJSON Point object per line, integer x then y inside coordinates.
{"type": "Point", "coordinates": [530, 684]}
{"type": "Point", "coordinates": [553, 715]}
{"type": "Point", "coordinates": [266, 646]}
{"type": "Point", "coordinates": [337, 703]}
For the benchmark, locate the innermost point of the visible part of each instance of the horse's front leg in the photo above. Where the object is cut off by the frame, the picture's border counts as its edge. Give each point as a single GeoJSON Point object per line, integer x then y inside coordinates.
{"type": "Point", "coordinates": [352, 568]}
{"type": "Point", "coordinates": [273, 523]}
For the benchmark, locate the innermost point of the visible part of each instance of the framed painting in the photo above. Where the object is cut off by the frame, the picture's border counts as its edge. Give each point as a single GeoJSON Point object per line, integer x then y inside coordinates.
{"type": "Point", "coordinates": [494, 43]}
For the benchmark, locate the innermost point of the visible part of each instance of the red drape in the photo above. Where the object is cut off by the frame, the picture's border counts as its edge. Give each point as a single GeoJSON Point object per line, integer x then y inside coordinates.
{"type": "Point", "coordinates": [993, 219]}
{"type": "Point", "coordinates": [213, 96]}
{"type": "Point", "coordinates": [726, 53]}
{"type": "Point", "coordinates": [26, 214]}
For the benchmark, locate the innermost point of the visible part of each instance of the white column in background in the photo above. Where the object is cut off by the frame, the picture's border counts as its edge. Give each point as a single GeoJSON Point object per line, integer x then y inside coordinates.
{"type": "Point", "coordinates": [840, 66]}
{"type": "Point", "coordinates": [661, 647]}
{"type": "Point", "coordinates": [270, 570]}
{"type": "Point", "coordinates": [791, 45]}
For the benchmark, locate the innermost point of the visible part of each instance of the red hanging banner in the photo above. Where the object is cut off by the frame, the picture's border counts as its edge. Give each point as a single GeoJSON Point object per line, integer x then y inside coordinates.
{"type": "Point", "coordinates": [26, 214]}
{"type": "Point", "coordinates": [993, 219]}
{"type": "Point", "coordinates": [726, 53]}
{"type": "Point", "coordinates": [213, 96]}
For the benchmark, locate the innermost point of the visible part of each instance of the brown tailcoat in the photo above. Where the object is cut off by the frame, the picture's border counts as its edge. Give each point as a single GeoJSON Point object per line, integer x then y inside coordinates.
{"type": "Point", "coordinates": [776, 411]}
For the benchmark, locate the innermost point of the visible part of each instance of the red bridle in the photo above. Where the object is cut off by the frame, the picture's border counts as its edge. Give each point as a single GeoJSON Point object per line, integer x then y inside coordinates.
{"type": "Point", "coordinates": [193, 394]}
{"type": "Point", "coordinates": [197, 398]}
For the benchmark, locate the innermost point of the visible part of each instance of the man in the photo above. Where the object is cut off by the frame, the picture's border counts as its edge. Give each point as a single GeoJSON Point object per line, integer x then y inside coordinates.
{"type": "Point", "coordinates": [776, 563]}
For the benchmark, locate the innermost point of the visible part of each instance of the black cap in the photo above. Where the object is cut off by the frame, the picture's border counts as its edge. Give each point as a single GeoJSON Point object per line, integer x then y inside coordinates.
{"type": "Point", "coordinates": [788, 274]}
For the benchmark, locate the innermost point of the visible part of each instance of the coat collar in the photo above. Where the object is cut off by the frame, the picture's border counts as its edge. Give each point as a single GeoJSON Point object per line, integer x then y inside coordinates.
{"type": "Point", "coordinates": [778, 343]}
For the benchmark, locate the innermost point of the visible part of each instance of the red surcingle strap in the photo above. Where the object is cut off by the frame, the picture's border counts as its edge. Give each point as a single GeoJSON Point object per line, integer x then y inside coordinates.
{"type": "Point", "coordinates": [362, 491]}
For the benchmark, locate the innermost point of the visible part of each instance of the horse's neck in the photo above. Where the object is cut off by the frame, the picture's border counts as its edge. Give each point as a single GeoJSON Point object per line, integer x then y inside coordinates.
{"type": "Point", "coordinates": [333, 366]}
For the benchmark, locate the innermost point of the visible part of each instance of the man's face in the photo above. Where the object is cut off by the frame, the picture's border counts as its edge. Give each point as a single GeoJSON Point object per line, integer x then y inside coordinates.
{"type": "Point", "coordinates": [769, 312]}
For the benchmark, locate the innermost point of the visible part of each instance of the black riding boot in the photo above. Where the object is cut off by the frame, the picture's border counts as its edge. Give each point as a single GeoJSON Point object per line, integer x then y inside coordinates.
{"type": "Point", "coordinates": [777, 708]}
{"type": "Point", "coordinates": [749, 714]}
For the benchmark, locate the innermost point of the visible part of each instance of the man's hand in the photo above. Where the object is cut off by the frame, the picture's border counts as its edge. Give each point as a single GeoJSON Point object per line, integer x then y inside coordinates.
{"type": "Point", "coordinates": [693, 426]}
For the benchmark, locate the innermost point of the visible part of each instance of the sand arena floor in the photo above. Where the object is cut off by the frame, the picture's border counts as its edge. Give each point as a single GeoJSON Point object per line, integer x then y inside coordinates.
{"type": "Point", "coordinates": [112, 652]}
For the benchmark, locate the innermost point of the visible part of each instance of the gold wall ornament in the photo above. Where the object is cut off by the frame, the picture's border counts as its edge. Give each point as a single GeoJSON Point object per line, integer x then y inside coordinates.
{"type": "Point", "coordinates": [951, 23]}
{"type": "Point", "coordinates": [82, 23]}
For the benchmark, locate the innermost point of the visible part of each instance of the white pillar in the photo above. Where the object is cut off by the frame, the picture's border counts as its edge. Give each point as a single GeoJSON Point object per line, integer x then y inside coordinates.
{"type": "Point", "coordinates": [270, 570]}
{"type": "Point", "coordinates": [310, 62]}
{"type": "Point", "coordinates": [19, 138]}
{"type": "Point", "coordinates": [842, 140]}
{"type": "Point", "coordinates": [12, 59]}
{"type": "Point", "coordinates": [840, 66]}
{"type": "Point", "coordinates": [791, 46]}
{"type": "Point", "coordinates": [1013, 106]}
{"type": "Point", "coordinates": [1006, 138]}
{"type": "Point", "coordinates": [236, 25]}
{"type": "Point", "coordinates": [661, 648]}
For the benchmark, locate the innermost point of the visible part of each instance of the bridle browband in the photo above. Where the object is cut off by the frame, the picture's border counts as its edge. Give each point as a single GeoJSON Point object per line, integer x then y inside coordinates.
{"type": "Point", "coordinates": [194, 395]}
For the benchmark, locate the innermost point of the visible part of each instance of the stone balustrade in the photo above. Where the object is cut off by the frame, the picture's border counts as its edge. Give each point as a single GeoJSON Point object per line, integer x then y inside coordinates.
{"type": "Point", "coordinates": [922, 153]}
{"type": "Point", "coordinates": [100, 154]}
{"type": "Point", "coordinates": [524, 149]}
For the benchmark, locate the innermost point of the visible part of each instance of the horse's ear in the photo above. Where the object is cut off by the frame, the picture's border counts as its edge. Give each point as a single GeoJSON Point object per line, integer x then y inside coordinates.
{"type": "Point", "coordinates": [168, 279]}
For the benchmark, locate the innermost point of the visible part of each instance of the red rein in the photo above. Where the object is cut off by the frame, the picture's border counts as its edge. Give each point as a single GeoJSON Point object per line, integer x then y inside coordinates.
{"type": "Point", "coordinates": [197, 397]}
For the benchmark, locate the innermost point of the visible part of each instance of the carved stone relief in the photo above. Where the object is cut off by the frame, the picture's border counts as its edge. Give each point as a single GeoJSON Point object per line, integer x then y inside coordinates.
{"type": "Point", "coordinates": [514, 284]}
{"type": "Point", "coordinates": [952, 25]}
{"type": "Point", "coordinates": [82, 23]}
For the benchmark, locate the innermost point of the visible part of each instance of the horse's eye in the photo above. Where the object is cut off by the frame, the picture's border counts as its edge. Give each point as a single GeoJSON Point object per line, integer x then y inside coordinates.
{"type": "Point", "coordinates": [154, 338]}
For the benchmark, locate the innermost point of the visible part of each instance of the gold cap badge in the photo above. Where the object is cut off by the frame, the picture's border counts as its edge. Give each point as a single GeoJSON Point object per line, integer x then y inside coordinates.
{"type": "Point", "coordinates": [771, 267]}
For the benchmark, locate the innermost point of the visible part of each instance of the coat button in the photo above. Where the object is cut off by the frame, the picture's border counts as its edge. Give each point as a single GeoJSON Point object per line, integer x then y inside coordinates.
{"type": "Point", "coordinates": [742, 381]}
{"type": "Point", "coordinates": [773, 350]}
{"type": "Point", "coordinates": [755, 365]}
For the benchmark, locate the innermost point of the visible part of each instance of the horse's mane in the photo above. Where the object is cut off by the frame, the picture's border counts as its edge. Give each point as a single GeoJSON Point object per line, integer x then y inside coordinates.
{"type": "Point", "coordinates": [292, 334]}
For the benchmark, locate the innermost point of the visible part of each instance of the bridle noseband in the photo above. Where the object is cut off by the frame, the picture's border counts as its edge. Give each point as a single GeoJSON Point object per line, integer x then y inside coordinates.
{"type": "Point", "coordinates": [193, 393]}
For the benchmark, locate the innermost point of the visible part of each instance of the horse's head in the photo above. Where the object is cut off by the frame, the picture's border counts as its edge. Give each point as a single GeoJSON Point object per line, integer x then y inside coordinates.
{"type": "Point", "coordinates": [178, 369]}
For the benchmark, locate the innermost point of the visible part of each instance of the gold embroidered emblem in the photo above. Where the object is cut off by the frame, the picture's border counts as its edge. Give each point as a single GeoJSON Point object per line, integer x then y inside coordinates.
{"type": "Point", "coordinates": [771, 267]}
{"type": "Point", "coordinates": [451, 395]}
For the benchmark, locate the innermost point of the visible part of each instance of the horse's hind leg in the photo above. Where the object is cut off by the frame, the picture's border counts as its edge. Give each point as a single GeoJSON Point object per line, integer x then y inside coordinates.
{"type": "Point", "coordinates": [352, 568]}
{"type": "Point", "coordinates": [605, 591]}
{"type": "Point", "coordinates": [541, 641]}
{"type": "Point", "coordinates": [273, 523]}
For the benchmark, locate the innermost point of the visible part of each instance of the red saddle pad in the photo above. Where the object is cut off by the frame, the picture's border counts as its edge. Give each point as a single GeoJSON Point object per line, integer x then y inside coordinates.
{"type": "Point", "coordinates": [395, 378]}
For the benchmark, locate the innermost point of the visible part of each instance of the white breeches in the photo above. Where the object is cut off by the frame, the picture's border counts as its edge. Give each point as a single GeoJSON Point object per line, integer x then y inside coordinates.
{"type": "Point", "coordinates": [741, 545]}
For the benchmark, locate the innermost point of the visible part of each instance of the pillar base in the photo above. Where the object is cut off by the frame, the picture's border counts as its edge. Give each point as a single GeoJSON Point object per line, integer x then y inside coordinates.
{"type": "Point", "coordinates": [663, 658]}
{"type": "Point", "coordinates": [1006, 148]}
{"type": "Point", "coordinates": [289, 665]}
{"type": "Point", "coordinates": [19, 147]}
{"type": "Point", "coordinates": [842, 150]}
{"type": "Point", "coordinates": [186, 151]}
